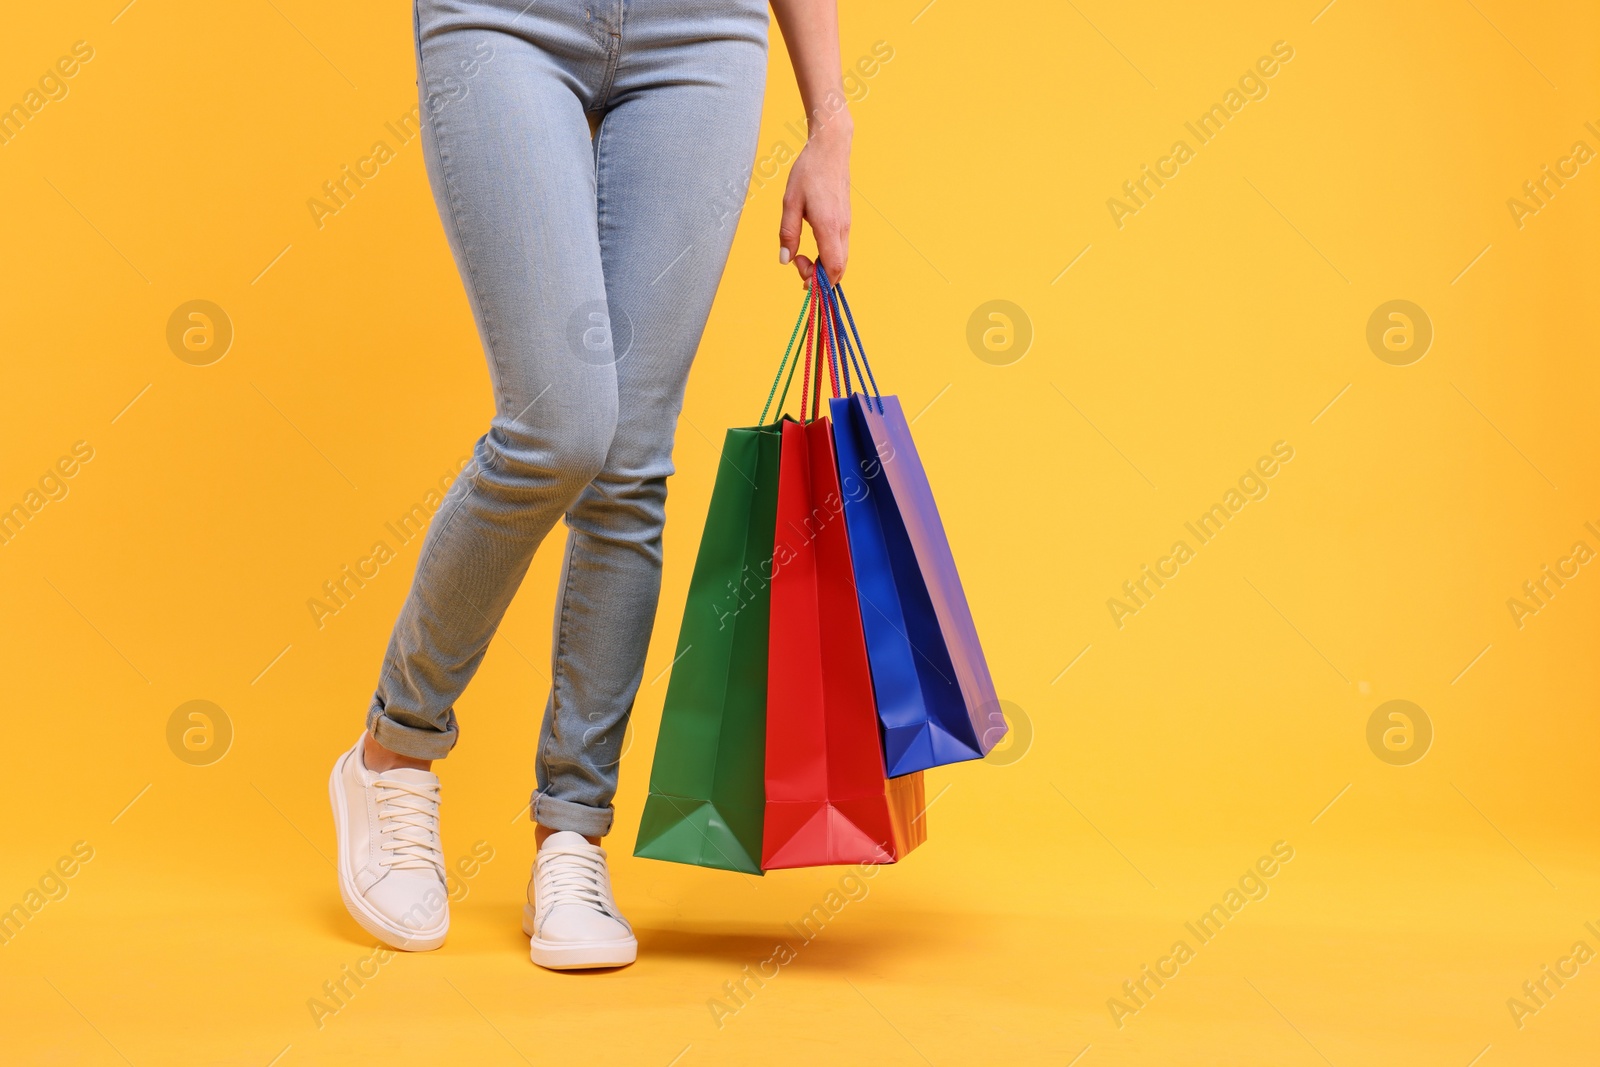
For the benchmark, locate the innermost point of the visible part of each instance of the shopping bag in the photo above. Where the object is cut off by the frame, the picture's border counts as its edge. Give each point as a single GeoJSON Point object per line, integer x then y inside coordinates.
{"type": "Point", "coordinates": [707, 795]}
{"type": "Point", "coordinates": [828, 797]}
{"type": "Point", "coordinates": [935, 698]}
{"type": "Point", "coordinates": [706, 798]}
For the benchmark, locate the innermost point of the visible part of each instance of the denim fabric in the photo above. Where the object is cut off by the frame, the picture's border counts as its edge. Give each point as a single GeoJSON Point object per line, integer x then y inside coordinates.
{"type": "Point", "coordinates": [589, 159]}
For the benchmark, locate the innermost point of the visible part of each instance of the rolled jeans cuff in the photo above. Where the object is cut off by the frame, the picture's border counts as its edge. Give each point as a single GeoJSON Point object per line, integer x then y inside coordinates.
{"type": "Point", "coordinates": [582, 819]}
{"type": "Point", "coordinates": [416, 742]}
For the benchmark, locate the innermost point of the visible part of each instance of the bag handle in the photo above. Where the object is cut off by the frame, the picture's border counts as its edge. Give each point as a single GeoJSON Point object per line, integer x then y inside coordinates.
{"type": "Point", "coordinates": [786, 352]}
{"type": "Point", "coordinates": [811, 311]}
{"type": "Point", "coordinates": [838, 298]}
{"type": "Point", "coordinates": [807, 387]}
{"type": "Point", "coordinates": [823, 313]}
{"type": "Point", "coordinates": [835, 334]}
{"type": "Point", "coordinates": [822, 328]}
{"type": "Point", "coordinates": [841, 341]}
{"type": "Point", "coordinates": [830, 339]}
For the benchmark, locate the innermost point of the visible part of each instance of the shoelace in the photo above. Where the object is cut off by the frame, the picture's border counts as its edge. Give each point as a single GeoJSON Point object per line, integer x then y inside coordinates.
{"type": "Point", "coordinates": [575, 878]}
{"type": "Point", "coordinates": [408, 825]}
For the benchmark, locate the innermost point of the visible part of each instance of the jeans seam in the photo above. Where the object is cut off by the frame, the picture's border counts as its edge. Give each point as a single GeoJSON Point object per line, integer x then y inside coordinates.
{"type": "Point", "coordinates": [430, 545]}
{"type": "Point", "coordinates": [613, 61]}
{"type": "Point", "coordinates": [600, 203]}
{"type": "Point", "coordinates": [559, 667]}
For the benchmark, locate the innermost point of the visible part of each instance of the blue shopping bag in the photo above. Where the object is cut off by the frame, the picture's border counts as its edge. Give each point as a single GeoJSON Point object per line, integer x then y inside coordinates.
{"type": "Point", "coordinates": [935, 697]}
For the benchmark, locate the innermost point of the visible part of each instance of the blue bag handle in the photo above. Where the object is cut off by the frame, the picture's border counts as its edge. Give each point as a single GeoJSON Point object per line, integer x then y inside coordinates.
{"type": "Point", "coordinates": [834, 298]}
{"type": "Point", "coordinates": [835, 331]}
{"type": "Point", "coordinates": [836, 301]}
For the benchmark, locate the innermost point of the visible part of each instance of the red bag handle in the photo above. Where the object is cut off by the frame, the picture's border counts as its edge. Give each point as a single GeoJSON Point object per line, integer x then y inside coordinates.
{"type": "Point", "coordinates": [805, 376]}
{"type": "Point", "coordinates": [821, 327]}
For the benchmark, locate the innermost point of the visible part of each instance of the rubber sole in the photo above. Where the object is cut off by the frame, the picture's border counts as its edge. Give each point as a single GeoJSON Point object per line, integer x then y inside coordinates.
{"type": "Point", "coordinates": [366, 916]}
{"type": "Point", "coordinates": [577, 955]}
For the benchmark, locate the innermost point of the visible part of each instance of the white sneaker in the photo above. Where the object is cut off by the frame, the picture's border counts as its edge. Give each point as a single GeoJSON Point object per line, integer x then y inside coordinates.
{"type": "Point", "coordinates": [571, 919]}
{"type": "Point", "coordinates": [391, 868]}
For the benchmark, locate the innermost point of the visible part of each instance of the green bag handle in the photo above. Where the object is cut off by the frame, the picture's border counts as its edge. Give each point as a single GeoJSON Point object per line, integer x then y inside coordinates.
{"type": "Point", "coordinates": [786, 352]}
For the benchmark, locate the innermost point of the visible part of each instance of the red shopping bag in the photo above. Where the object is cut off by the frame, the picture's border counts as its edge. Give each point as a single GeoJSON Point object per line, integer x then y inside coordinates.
{"type": "Point", "coordinates": [828, 797]}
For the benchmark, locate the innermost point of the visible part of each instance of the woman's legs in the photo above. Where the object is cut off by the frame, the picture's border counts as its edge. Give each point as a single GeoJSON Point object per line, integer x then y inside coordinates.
{"type": "Point", "coordinates": [673, 158]}
{"type": "Point", "coordinates": [507, 145]}
{"type": "Point", "coordinates": [591, 267]}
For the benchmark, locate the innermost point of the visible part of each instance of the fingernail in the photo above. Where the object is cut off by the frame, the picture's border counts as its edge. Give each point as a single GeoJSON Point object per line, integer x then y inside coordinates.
{"type": "Point", "coordinates": [783, 256]}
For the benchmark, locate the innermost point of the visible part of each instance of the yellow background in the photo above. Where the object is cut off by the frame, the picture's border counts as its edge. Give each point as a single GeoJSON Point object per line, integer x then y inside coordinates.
{"type": "Point", "coordinates": [1227, 715]}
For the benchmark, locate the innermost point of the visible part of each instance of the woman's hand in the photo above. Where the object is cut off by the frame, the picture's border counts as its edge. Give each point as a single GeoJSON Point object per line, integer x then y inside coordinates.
{"type": "Point", "coordinates": [819, 181]}
{"type": "Point", "coordinates": [819, 192]}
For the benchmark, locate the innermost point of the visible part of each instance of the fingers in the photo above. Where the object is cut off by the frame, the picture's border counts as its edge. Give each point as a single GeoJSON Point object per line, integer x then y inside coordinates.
{"type": "Point", "coordinates": [789, 227]}
{"type": "Point", "coordinates": [830, 227]}
{"type": "Point", "coordinates": [833, 247]}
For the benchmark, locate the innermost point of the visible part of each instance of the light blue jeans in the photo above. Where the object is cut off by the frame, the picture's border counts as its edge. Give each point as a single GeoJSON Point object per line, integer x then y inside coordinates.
{"type": "Point", "coordinates": [590, 159]}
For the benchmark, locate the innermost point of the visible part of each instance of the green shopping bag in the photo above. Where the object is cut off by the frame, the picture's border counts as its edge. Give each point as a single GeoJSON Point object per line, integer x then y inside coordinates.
{"type": "Point", "coordinates": [706, 789]}
{"type": "Point", "coordinates": [707, 785]}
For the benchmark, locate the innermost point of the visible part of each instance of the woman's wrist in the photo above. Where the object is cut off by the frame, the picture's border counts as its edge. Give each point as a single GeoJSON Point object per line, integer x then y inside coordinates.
{"type": "Point", "coordinates": [839, 127]}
